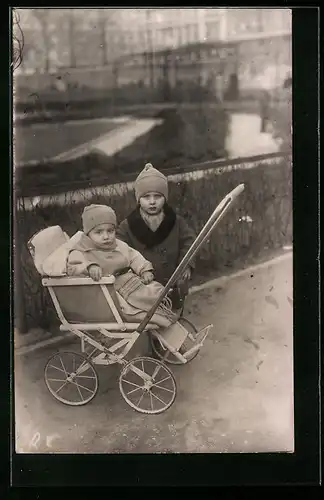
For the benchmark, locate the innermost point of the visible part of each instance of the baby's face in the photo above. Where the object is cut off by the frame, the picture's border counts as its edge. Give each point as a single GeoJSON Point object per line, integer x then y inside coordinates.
{"type": "Point", "coordinates": [103, 235]}
{"type": "Point", "coordinates": [152, 203]}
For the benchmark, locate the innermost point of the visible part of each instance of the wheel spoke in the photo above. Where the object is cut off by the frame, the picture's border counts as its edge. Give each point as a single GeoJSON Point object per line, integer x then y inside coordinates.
{"type": "Point", "coordinates": [133, 390]}
{"type": "Point", "coordinates": [85, 376]}
{"type": "Point", "coordinates": [79, 385]}
{"type": "Point", "coordinates": [157, 397]}
{"type": "Point", "coordinates": [151, 400]}
{"type": "Point", "coordinates": [56, 368]}
{"type": "Point", "coordinates": [162, 380]}
{"type": "Point", "coordinates": [63, 367]}
{"type": "Point", "coordinates": [56, 380]}
{"type": "Point", "coordinates": [132, 383]}
{"type": "Point", "coordinates": [164, 388]}
{"type": "Point", "coordinates": [140, 399]}
{"type": "Point", "coordinates": [79, 392]}
{"type": "Point", "coordinates": [58, 390]}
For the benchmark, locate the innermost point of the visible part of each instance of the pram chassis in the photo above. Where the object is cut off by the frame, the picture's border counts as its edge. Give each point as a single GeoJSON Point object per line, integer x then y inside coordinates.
{"type": "Point", "coordinates": [121, 337]}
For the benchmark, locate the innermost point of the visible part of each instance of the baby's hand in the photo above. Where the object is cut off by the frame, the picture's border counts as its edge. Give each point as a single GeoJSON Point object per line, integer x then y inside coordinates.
{"type": "Point", "coordinates": [147, 277]}
{"type": "Point", "coordinates": [95, 272]}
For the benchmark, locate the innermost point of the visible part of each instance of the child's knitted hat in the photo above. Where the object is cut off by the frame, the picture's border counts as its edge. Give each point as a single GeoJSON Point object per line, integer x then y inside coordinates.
{"type": "Point", "coordinates": [151, 180]}
{"type": "Point", "coordinates": [93, 215]}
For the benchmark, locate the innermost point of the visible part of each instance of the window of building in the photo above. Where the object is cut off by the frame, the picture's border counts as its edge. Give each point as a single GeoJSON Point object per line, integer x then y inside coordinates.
{"type": "Point", "coordinates": [190, 33]}
{"type": "Point", "coordinates": [186, 34]}
{"type": "Point", "coordinates": [141, 41]}
{"type": "Point", "coordinates": [194, 33]}
{"type": "Point", "coordinates": [239, 21]}
{"type": "Point", "coordinates": [213, 30]}
{"type": "Point", "coordinates": [167, 35]}
{"type": "Point", "coordinates": [157, 38]}
{"type": "Point", "coordinates": [157, 15]}
{"type": "Point", "coordinates": [178, 36]}
{"type": "Point", "coordinates": [134, 40]}
{"type": "Point", "coordinates": [150, 40]}
{"type": "Point", "coordinates": [181, 36]}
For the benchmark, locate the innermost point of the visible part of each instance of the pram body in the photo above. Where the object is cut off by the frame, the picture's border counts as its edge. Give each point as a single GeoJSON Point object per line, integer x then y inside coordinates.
{"type": "Point", "coordinates": [91, 311]}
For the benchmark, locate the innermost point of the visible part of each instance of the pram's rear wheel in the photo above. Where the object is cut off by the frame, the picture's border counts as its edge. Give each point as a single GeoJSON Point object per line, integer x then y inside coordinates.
{"type": "Point", "coordinates": [189, 342]}
{"type": "Point", "coordinates": [147, 385]}
{"type": "Point", "coordinates": [71, 378]}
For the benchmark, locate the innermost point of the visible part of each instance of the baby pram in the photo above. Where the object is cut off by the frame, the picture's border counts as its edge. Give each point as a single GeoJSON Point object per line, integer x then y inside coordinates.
{"type": "Point", "coordinates": [146, 383]}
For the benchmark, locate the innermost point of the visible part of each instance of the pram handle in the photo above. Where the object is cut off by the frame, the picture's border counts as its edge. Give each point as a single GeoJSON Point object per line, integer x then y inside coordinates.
{"type": "Point", "coordinates": [216, 216]}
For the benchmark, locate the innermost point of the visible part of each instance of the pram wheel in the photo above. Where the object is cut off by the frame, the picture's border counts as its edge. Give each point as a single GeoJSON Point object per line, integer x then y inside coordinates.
{"type": "Point", "coordinates": [147, 385]}
{"type": "Point", "coordinates": [71, 378]}
{"type": "Point", "coordinates": [190, 341]}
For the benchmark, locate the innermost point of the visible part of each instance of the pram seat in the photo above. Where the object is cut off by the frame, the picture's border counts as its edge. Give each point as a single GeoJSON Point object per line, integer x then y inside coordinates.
{"type": "Point", "coordinates": [89, 304]}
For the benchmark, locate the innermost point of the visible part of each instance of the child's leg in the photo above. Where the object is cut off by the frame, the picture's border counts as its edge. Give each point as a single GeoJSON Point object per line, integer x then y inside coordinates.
{"type": "Point", "coordinates": [177, 298]}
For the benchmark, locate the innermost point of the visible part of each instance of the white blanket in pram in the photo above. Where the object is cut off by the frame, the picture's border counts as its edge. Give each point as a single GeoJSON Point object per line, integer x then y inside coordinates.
{"type": "Point", "coordinates": [50, 248]}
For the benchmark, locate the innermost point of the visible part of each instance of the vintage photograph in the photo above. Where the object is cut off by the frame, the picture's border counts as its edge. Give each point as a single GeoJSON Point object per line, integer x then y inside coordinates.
{"type": "Point", "coordinates": [153, 254]}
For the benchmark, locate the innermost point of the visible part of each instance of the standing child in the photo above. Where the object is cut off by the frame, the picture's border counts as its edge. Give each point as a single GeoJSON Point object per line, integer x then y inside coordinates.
{"type": "Point", "coordinates": [158, 233]}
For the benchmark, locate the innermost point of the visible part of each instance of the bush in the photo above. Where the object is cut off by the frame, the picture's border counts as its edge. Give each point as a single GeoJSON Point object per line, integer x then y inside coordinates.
{"type": "Point", "coordinates": [267, 199]}
{"type": "Point", "coordinates": [185, 136]}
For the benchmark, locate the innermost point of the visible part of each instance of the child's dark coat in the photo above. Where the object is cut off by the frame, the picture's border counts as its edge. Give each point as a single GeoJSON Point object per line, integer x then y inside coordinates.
{"type": "Point", "coordinates": [165, 247]}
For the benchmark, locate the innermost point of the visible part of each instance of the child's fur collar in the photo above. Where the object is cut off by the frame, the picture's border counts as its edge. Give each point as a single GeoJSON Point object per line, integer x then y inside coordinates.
{"type": "Point", "coordinates": [144, 234]}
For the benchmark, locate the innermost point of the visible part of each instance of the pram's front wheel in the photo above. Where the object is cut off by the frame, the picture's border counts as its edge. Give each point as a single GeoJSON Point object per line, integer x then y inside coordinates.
{"type": "Point", "coordinates": [147, 385]}
{"type": "Point", "coordinates": [189, 342]}
{"type": "Point", "coordinates": [71, 378]}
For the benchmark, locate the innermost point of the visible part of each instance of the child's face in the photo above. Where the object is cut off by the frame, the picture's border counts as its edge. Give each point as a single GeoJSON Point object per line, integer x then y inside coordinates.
{"type": "Point", "coordinates": [104, 235]}
{"type": "Point", "coordinates": [152, 203]}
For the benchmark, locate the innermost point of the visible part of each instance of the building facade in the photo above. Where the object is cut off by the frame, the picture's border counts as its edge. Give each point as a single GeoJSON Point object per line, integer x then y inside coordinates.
{"type": "Point", "coordinates": [157, 29]}
{"type": "Point", "coordinates": [57, 38]}
{"type": "Point", "coordinates": [253, 44]}
{"type": "Point", "coordinates": [102, 48]}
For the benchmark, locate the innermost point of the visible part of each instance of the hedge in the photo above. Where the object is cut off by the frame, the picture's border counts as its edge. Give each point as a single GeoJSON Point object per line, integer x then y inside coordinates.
{"type": "Point", "coordinates": [267, 199]}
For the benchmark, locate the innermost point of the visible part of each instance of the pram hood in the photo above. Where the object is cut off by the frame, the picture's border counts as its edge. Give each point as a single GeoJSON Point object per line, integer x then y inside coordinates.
{"type": "Point", "coordinates": [50, 248]}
